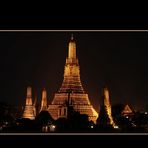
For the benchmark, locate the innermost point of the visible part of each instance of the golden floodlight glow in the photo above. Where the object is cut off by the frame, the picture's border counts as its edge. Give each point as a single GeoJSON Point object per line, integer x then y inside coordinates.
{"type": "Point", "coordinates": [29, 95]}
{"type": "Point", "coordinates": [71, 81]}
{"type": "Point", "coordinates": [44, 101]}
{"type": "Point", "coordinates": [127, 110]}
{"type": "Point", "coordinates": [72, 49]}
{"type": "Point", "coordinates": [108, 107]}
{"type": "Point", "coordinates": [29, 108]}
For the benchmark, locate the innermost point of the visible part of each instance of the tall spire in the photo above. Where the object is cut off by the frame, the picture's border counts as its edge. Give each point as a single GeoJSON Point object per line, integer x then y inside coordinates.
{"type": "Point", "coordinates": [78, 99]}
{"type": "Point", "coordinates": [72, 48]}
{"type": "Point", "coordinates": [29, 108]}
{"type": "Point", "coordinates": [44, 100]}
{"type": "Point", "coordinates": [106, 94]}
{"type": "Point", "coordinates": [29, 96]}
{"type": "Point", "coordinates": [108, 105]}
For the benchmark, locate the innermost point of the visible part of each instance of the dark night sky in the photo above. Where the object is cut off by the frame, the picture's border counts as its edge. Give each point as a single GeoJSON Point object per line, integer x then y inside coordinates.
{"type": "Point", "coordinates": [115, 59]}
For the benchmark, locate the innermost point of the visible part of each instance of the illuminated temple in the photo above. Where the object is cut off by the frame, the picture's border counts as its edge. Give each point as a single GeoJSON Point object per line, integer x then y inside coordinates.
{"type": "Point", "coordinates": [72, 83]}
{"type": "Point", "coordinates": [105, 118]}
{"type": "Point", "coordinates": [108, 107]}
{"type": "Point", "coordinates": [127, 110]}
{"type": "Point", "coordinates": [29, 111]}
{"type": "Point", "coordinates": [44, 101]}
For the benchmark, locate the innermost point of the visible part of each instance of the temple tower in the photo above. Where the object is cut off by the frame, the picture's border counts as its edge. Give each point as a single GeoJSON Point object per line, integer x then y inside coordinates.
{"type": "Point", "coordinates": [29, 111]}
{"type": "Point", "coordinates": [44, 101]}
{"type": "Point", "coordinates": [105, 118]}
{"type": "Point", "coordinates": [71, 81]}
{"type": "Point", "coordinates": [127, 111]}
{"type": "Point", "coordinates": [108, 107]}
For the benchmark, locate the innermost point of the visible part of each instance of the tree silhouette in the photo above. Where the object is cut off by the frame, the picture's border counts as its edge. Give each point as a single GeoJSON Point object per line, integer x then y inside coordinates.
{"type": "Point", "coordinates": [61, 125]}
{"type": "Point", "coordinates": [43, 118]}
{"type": "Point", "coordinates": [103, 121]}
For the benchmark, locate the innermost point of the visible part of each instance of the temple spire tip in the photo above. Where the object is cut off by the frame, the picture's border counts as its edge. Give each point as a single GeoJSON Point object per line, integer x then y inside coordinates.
{"type": "Point", "coordinates": [72, 36]}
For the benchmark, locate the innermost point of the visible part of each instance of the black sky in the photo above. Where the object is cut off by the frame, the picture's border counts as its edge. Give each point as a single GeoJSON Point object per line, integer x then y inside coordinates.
{"type": "Point", "coordinates": [115, 59]}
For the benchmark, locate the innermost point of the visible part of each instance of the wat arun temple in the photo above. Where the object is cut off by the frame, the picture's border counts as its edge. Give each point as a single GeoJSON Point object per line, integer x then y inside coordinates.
{"type": "Point", "coordinates": [72, 82]}
{"type": "Point", "coordinates": [71, 90]}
